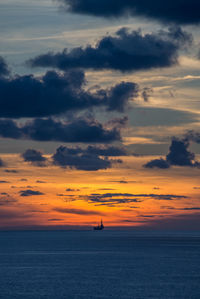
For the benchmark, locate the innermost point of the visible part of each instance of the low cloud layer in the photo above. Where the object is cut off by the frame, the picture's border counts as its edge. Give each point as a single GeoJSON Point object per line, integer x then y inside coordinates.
{"type": "Point", "coordinates": [80, 159]}
{"type": "Point", "coordinates": [55, 93]}
{"type": "Point", "coordinates": [77, 130]}
{"type": "Point", "coordinates": [126, 51]}
{"type": "Point", "coordinates": [121, 198]}
{"type": "Point", "coordinates": [78, 211]}
{"type": "Point", "coordinates": [176, 11]}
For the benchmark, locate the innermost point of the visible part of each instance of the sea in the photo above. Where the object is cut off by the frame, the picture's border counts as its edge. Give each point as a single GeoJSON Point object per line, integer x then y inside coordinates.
{"type": "Point", "coordinates": [99, 264]}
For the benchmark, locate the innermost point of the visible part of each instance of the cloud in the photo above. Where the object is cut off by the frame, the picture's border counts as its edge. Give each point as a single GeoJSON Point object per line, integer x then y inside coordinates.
{"type": "Point", "coordinates": [193, 136]}
{"type": "Point", "coordinates": [40, 182]}
{"type": "Point", "coordinates": [65, 157]}
{"type": "Point", "coordinates": [190, 209]}
{"type": "Point", "coordinates": [55, 93]}
{"type": "Point", "coordinates": [77, 130]}
{"type": "Point", "coordinates": [170, 11]}
{"type": "Point", "coordinates": [78, 211]}
{"type": "Point", "coordinates": [126, 51]}
{"type": "Point", "coordinates": [35, 157]}
{"type": "Point", "coordinates": [121, 198]}
{"type": "Point", "coordinates": [178, 155]}
{"type": "Point", "coordinates": [4, 71]}
{"type": "Point", "coordinates": [112, 151]}
{"type": "Point", "coordinates": [157, 163]}
{"type": "Point", "coordinates": [2, 164]}
{"type": "Point", "coordinates": [11, 171]}
{"type": "Point", "coordinates": [72, 190]}
{"type": "Point", "coordinates": [29, 192]}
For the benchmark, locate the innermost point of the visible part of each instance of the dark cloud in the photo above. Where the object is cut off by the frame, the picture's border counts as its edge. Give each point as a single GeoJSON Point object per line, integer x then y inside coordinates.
{"type": "Point", "coordinates": [2, 164]}
{"type": "Point", "coordinates": [77, 130]}
{"type": "Point", "coordinates": [78, 211]}
{"type": "Point", "coordinates": [157, 163]}
{"type": "Point", "coordinates": [72, 190]}
{"type": "Point", "coordinates": [193, 136]}
{"type": "Point", "coordinates": [4, 182]}
{"type": "Point", "coordinates": [125, 182]}
{"type": "Point", "coordinates": [176, 11]}
{"type": "Point", "coordinates": [29, 192]}
{"type": "Point", "coordinates": [126, 51]}
{"type": "Point", "coordinates": [190, 209]}
{"type": "Point", "coordinates": [112, 151]}
{"type": "Point", "coordinates": [55, 219]}
{"type": "Point", "coordinates": [66, 157]}
{"type": "Point", "coordinates": [178, 155]}
{"type": "Point", "coordinates": [35, 157]}
{"type": "Point", "coordinates": [40, 182]}
{"type": "Point", "coordinates": [121, 198]}
{"type": "Point", "coordinates": [4, 71]}
{"type": "Point", "coordinates": [55, 93]}
{"type": "Point", "coordinates": [11, 171]}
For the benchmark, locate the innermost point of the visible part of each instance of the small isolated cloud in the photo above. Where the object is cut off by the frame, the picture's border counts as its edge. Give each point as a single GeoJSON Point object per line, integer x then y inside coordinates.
{"type": "Point", "coordinates": [178, 155]}
{"type": "Point", "coordinates": [78, 211]}
{"type": "Point", "coordinates": [29, 192]}
{"type": "Point", "coordinates": [72, 190]}
{"type": "Point", "coordinates": [79, 159]}
{"type": "Point", "coordinates": [40, 182]}
{"type": "Point", "coordinates": [35, 157]}
{"type": "Point", "coordinates": [126, 51]}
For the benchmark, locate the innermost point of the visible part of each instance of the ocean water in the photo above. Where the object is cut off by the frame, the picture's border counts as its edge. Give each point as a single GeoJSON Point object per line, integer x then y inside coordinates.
{"type": "Point", "coordinates": [99, 264]}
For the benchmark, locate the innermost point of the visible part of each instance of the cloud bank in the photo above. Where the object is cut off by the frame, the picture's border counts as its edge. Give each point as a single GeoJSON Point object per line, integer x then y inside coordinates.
{"type": "Point", "coordinates": [55, 94]}
{"type": "Point", "coordinates": [170, 11]}
{"type": "Point", "coordinates": [77, 130]}
{"type": "Point", "coordinates": [81, 159]}
{"type": "Point", "coordinates": [126, 51]}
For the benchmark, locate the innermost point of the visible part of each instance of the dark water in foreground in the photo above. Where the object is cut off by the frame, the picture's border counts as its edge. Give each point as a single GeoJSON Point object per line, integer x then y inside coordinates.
{"type": "Point", "coordinates": [99, 264]}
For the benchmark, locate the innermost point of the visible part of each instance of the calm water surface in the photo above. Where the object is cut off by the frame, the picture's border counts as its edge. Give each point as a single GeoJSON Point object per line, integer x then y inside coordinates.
{"type": "Point", "coordinates": [99, 264]}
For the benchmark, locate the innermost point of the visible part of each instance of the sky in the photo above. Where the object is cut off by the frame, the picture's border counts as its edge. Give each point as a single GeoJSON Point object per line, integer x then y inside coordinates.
{"type": "Point", "coordinates": [99, 114]}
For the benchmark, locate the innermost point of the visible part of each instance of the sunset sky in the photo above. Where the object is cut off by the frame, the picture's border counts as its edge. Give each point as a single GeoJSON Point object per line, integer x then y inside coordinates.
{"type": "Point", "coordinates": [99, 114]}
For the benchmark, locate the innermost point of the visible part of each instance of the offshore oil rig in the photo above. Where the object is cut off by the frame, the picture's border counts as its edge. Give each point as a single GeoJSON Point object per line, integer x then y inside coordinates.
{"type": "Point", "coordinates": [99, 226]}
